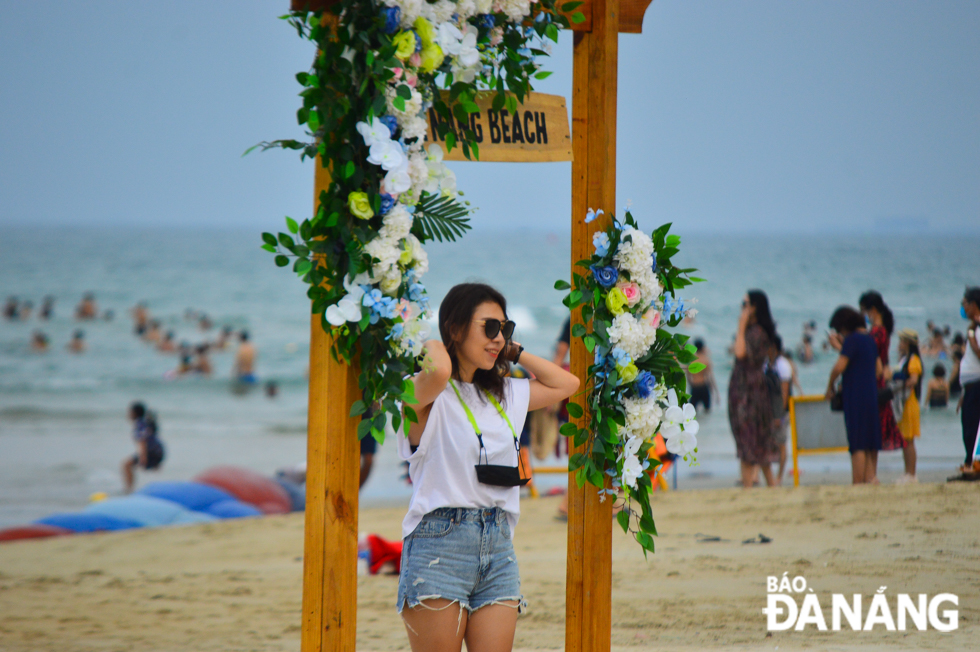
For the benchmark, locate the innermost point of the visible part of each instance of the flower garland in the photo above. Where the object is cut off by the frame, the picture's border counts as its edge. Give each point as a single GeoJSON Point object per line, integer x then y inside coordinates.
{"type": "Point", "coordinates": [636, 384]}
{"type": "Point", "coordinates": [381, 65]}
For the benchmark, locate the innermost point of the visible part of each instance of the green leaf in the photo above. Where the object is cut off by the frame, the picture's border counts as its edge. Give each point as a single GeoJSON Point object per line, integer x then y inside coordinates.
{"type": "Point", "coordinates": [568, 429]}
{"type": "Point", "coordinates": [574, 410]}
{"type": "Point", "coordinates": [349, 170]}
{"type": "Point", "coordinates": [624, 520]}
{"type": "Point", "coordinates": [359, 408]}
{"type": "Point", "coordinates": [281, 261]}
{"type": "Point", "coordinates": [440, 218]}
{"type": "Point", "coordinates": [578, 17]}
{"type": "Point", "coordinates": [399, 103]}
{"type": "Point", "coordinates": [302, 266]}
{"type": "Point", "coordinates": [544, 74]}
{"type": "Point", "coordinates": [578, 330]}
{"type": "Point", "coordinates": [363, 429]}
{"type": "Point", "coordinates": [589, 343]}
{"type": "Point", "coordinates": [697, 367]}
{"type": "Point", "coordinates": [404, 91]}
{"type": "Point", "coordinates": [270, 239]}
{"type": "Point", "coordinates": [292, 225]}
{"type": "Point", "coordinates": [562, 285]}
{"type": "Point", "coordinates": [269, 248]}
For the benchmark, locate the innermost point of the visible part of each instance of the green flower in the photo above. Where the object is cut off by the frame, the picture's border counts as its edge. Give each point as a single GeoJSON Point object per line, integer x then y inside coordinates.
{"type": "Point", "coordinates": [432, 57]}
{"type": "Point", "coordinates": [426, 31]}
{"type": "Point", "coordinates": [404, 45]}
{"type": "Point", "coordinates": [360, 205]}
{"type": "Point", "coordinates": [616, 301]}
{"type": "Point", "coordinates": [628, 373]}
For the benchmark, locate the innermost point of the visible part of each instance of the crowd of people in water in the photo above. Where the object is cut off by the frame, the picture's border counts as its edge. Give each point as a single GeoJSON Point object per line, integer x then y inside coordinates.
{"type": "Point", "coordinates": [193, 358]}
{"type": "Point", "coordinates": [880, 402]}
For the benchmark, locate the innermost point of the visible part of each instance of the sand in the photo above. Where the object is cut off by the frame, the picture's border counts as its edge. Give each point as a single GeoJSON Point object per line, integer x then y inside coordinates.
{"type": "Point", "coordinates": [235, 585]}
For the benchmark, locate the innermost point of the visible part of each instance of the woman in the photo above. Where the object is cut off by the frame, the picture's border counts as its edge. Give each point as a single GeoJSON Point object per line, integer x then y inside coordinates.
{"type": "Point", "coordinates": [910, 373]}
{"type": "Point", "coordinates": [882, 324]}
{"type": "Point", "coordinates": [937, 392]}
{"type": "Point", "coordinates": [860, 367]}
{"type": "Point", "coordinates": [749, 404]}
{"type": "Point", "coordinates": [459, 577]}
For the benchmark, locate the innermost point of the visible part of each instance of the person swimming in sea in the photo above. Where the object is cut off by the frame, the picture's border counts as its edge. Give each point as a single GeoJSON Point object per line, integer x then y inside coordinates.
{"type": "Point", "coordinates": [77, 343]}
{"type": "Point", "coordinates": [937, 391]}
{"type": "Point", "coordinates": [243, 370]}
{"type": "Point", "coordinates": [47, 308]}
{"type": "Point", "coordinates": [87, 310]}
{"type": "Point", "coordinates": [39, 341]}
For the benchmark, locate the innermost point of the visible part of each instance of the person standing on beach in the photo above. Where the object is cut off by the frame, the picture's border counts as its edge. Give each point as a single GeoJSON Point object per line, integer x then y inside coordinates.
{"type": "Point", "coordinates": [749, 404]}
{"type": "Point", "coordinates": [459, 577]}
{"type": "Point", "coordinates": [881, 322]}
{"type": "Point", "coordinates": [910, 373]}
{"type": "Point", "coordinates": [149, 449]}
{"type": "Point", "coordinates": [969, 404]}
{"type": "Point", "coordinates": [244, 367]}
{"type": "Point", "coordinates": [702, 384]}
{"type": "Point", "coordinates": [783, 368]}
{"type": "Point", "coordinates": [859, 368]}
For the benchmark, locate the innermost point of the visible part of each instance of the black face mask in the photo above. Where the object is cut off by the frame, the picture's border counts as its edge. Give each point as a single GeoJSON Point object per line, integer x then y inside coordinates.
{"type": "Point", "coordinates": [498, 475]}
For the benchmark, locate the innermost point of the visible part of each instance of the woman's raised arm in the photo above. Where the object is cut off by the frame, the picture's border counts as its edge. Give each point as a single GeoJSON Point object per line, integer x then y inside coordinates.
{"type": "Point", "coordinates": [551, 383]}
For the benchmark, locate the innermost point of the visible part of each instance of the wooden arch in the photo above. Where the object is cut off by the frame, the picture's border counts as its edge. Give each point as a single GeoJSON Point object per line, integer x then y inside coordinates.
{"type": "Point", "coordinates": [333, 455]}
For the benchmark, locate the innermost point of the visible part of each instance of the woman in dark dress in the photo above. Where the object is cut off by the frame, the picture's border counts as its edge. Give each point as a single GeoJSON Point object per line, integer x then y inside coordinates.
{"type": "Point", "coordinates": [749, 404]}
{"type": "Point", "coordinates": [859, 367]}
{"type": "Point", "coordinates": [882, 324]}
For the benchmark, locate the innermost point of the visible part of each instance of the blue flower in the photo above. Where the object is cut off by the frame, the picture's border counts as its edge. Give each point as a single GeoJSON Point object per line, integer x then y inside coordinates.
{"type": "Point", "coordinates": [644, 384]}
{"type": "Point", "coordinates": [418, 41]}
{"type": "Point", "coordinates": [591, 215]}
{"type": "Point", "coordinates": [416, 291]}
{"type": "Point", "coordinates": [654, 264]}
{"type": "Point", "coordinates": [605, 276]}
{"type": "Point", "coordinates": [392, 17]}
{"type": "Point", "coordinates": [396, 331]}
{"type": "Point", "coordinates": [387, 202]}
{"type": "Point", "coordinates": [485, 22]}
{"type": "Point", "coordinates": [621, 357]}
{"type": "Point", "coordinates": [387, 307]}
{"type": "Point", "coordinates": [600, 359]}
{"type": "Point", "coordinates": [601, 242]}
{"type": "Point", "coordinates": [390, 122]}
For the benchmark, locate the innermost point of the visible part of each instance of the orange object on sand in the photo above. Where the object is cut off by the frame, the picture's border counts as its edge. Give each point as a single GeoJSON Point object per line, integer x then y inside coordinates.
{"type": "Point", "coordinates": [658, 475]}
{"type": "Point", "coordinates": [249, 487]}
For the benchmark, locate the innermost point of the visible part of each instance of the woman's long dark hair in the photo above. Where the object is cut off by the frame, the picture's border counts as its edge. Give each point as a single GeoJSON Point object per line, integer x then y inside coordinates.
{"type": "Point", "coordinates": [913, 348]}
{"type": "Point", "coordinates": [455, 315]}
{"type": "Point", "coordinates": [872, 299]}
{"type": "Point", "coordinates": [763, 317]}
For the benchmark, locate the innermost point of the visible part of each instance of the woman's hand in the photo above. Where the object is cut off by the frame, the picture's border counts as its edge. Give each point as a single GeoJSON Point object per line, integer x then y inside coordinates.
{"type": "Point", "coordinates": [511, 351]}
{"type": "Point", "coordinates": [829, 394]}
{"type": "Point", "coordinates": [835, 340]}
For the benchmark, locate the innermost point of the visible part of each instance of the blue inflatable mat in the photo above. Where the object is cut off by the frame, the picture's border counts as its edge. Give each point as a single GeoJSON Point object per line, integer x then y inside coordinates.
{"type": "Point", "coordinates": [146, 510]}
{"type": "Point", "coordinates": [232, 509]}
{"type": "Point", "coordinates": [192, 495]}
{"type": "Point", "coordinates": [85, 522]}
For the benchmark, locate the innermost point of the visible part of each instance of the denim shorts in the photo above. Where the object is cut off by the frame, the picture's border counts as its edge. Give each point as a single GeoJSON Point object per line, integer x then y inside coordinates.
{"type": "Point", "coordinates": [460, 555]}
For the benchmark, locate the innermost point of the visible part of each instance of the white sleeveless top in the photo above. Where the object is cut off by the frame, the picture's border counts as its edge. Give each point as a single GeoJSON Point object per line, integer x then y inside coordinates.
{"type": "Point", "coordinates": [442, 468]}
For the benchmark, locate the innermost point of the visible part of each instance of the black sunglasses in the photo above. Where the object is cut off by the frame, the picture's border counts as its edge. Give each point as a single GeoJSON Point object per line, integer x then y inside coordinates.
{"type": "Point", "coordinates": [493, 326]}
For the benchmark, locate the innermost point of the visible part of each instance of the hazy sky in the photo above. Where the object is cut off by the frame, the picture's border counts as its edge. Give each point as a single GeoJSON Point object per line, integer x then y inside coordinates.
{"type": "Point", "coordinates": [740, 115]}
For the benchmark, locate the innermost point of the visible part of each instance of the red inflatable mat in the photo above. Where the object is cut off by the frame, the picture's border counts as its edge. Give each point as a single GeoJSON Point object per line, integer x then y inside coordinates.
{"type": "Point", "coordinates": [249, 487]}
{"type": "Point", "coordinates": [35, 531]}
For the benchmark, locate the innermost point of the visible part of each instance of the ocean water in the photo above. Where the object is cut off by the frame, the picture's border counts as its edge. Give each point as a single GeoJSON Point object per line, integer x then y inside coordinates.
{"type": "Point", "coordinates": [63, 427]}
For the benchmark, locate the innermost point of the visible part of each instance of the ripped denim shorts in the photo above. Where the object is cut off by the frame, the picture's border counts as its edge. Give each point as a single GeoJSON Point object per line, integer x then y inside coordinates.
{"type": "Point", "coordinates": [460, 555]}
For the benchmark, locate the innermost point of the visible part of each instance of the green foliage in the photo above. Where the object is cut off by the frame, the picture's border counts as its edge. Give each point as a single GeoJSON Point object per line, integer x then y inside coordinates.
{"type": "Point", "coordinates": [598, 424]}
{"type": "Point", "coordinates": [355, 64]}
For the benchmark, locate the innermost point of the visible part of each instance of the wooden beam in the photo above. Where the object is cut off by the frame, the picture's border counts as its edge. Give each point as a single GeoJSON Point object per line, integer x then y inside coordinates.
{"type": "Point", "coordinates": [631, 14]}
{"type": "Point", "coordinates": [332, 472]}
{"type": "Point", "coordinates": [588, 610]}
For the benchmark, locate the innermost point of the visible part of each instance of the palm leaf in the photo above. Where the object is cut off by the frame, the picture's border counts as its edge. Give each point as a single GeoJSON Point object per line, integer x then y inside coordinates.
{"type": "Point", "coordinates": [440, 218]}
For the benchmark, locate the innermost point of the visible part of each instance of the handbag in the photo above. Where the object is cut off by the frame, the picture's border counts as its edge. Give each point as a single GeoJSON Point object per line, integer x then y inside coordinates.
{"type": "Point", "coordinates": [837, 400]}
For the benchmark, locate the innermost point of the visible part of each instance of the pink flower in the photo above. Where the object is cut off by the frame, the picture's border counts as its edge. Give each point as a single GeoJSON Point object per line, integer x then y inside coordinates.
{"type": "Point", "coordinates": [404, 309]}
{"type": "Point", "coordinates": [415, 60]}
{"type": "Point", "coordinates": [411, 79]}
{"type": "Point", "coordinates": [655, 322]}
{"type": "Point", "coordinates": [632, 292]}
{"type": "Point", "coordinates": [398, 73]}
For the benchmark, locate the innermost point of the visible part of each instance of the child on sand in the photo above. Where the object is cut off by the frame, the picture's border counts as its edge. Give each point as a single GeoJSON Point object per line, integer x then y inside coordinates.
{"type": "Point", "coordinates": [149, 448]}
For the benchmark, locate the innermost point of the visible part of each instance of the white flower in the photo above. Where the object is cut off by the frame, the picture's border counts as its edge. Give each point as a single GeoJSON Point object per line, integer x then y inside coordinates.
{"type": "Point", "coordinates": [632, 446]}
{"type": "Point", "coordinates": [411, 9]}
{"type": "Point", "coordinates": [375, 132]}
{"type": "Point", "coordinates": [449, 38]}
{"type": "Point", "coordinates": [418, 170]}
{"type": "Point", "coordinates": [466, 9]}
{"type": "Point", "coordinates": [632, 335]}
{"type": "Point", "coordinates": [413, 106]}
{"type": "Point", "coordinates": [631, 470]}
{"type": "Point", "coordinates": [683, 444]}
{"type": "Point", "coordinates": [388, 154]}
{"type": "Point", "coordinates": [391, 281]}
{"type": "Point", "coordinates": [397, 222]}
{"type": "Point", "coordinates": [635, 255]}
{"type": "Point", "coordinates": [483, 6]}
{"type": "Point", "coordinates": [415, 128]}
{"type": "Point", "coordinates": [420, 258]}
{"type": "Point", "coordinates": [348, 308]}
{"type": "Point", "coordinates": [642, 417]}
{"type": "Point", "coordinates": [385, 250]}
{"type": "Point", "coordinates": [398, 181]}
{"type": "Point", "coordinates": [680, 428]}
{"type": "Point", "coordinates": [468, 54]}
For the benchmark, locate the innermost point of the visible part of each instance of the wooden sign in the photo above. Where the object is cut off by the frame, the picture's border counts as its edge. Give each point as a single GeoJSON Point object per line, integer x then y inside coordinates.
{"type": "Point", "coordinates": [537, 132]}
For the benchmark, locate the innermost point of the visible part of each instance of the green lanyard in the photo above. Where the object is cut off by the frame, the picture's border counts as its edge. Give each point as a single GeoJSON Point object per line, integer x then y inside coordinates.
{"type": "Point", "coordinates": [469, 415]}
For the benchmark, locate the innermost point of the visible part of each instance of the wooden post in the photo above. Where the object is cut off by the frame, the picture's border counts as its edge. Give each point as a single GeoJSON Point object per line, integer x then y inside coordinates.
{"type": "Point", "coordinates": [588, 591]}
{"type": "Point", "coordinates": [332, 474]}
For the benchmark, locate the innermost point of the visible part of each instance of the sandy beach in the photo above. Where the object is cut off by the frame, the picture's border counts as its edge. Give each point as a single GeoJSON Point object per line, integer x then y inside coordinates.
{"type": "Point", "coordinates": [235, 585]}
